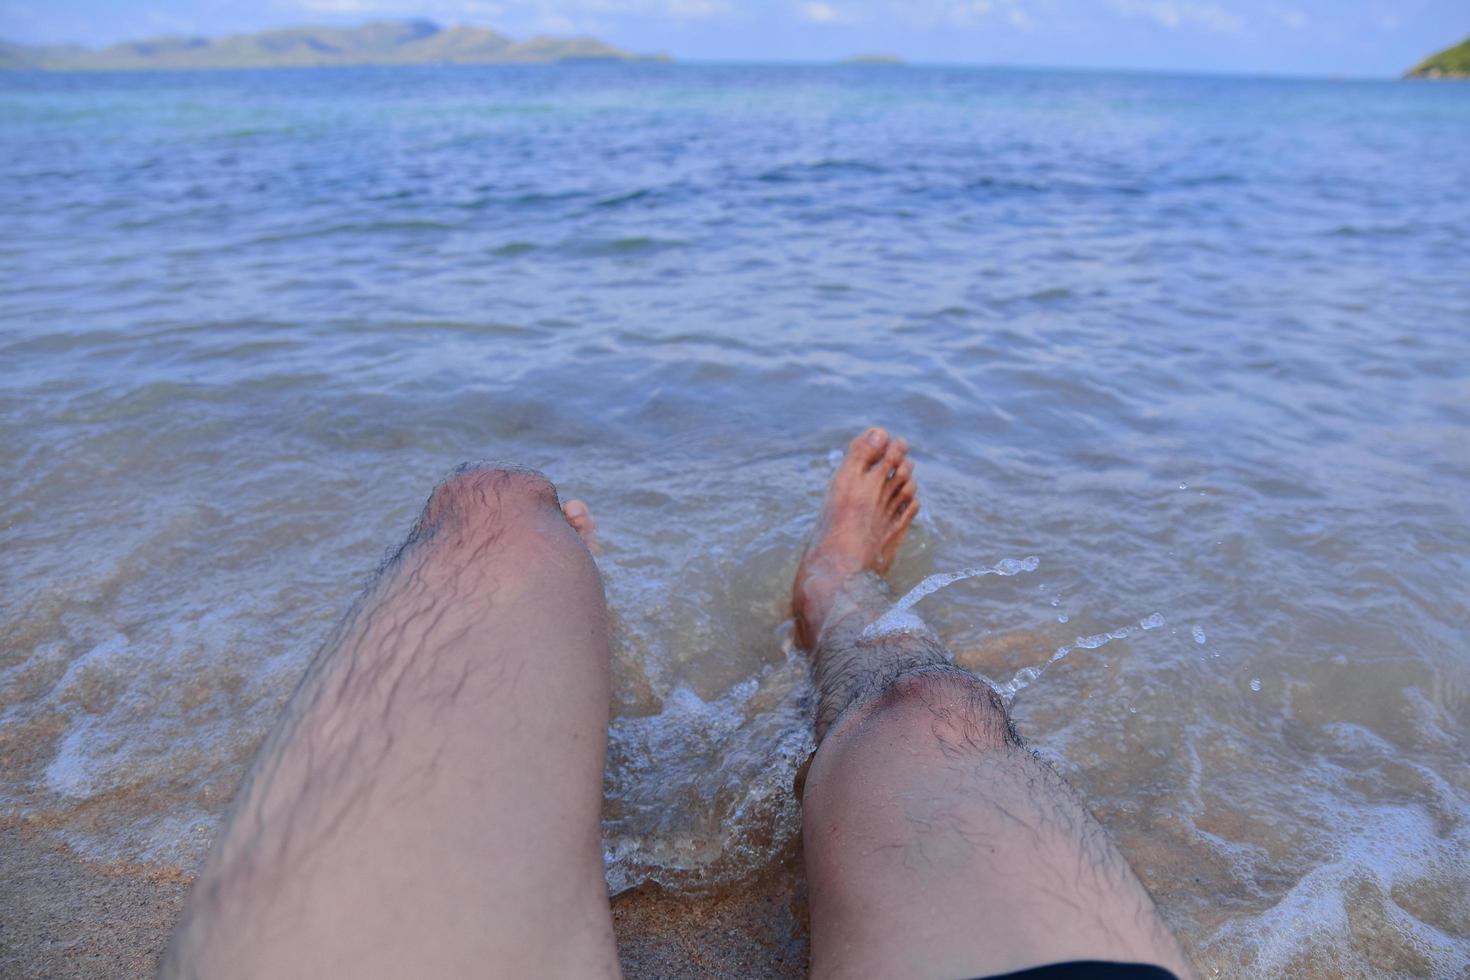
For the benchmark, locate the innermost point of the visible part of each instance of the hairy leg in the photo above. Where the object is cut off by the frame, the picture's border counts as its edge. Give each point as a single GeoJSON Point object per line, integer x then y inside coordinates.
{"type": "Point", "coordinates": [936, 845]}
{"type": "Point", "coordinates": [428, 804]}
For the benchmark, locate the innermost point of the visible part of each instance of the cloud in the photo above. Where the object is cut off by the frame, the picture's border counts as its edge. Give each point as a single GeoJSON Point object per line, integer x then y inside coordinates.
{"type": "Point", "coordinates": [558, 15]}
{"type": "Point", "coordinates": [942, 14]}
{"type": "Point", "coordinates": [692, 9]}
{"type": "Point", "coordinates": [696, 9]}
{"type": "Point", "coordinates": [818, 12]}
{"type": "Point", "coordinates": [1174, 14]}
{"type": "Point", "coordinates": [339, 6]}
{"type": "Point", "coordinates": [1294, 19]}
{"type": "Point", "coordinates": [397, 8]}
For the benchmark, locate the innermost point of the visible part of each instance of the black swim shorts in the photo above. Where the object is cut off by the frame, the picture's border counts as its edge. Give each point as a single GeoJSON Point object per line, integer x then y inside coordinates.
{"type": "Point", "coordinates": [1090, 970]}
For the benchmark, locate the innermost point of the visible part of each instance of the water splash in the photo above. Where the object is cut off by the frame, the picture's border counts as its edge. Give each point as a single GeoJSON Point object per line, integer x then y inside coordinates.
{"type": "Point", "coordinates": [898, 619]}
{"type": "Point", "coordinates": [699, 795]}
{"type": "Point", "coordinates": [1026, 675]}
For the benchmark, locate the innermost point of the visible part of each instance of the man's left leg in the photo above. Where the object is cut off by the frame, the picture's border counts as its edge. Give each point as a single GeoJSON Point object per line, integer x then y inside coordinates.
{"type": "Point", "coordinates": [429, 803]}
{"type": "Point", "coordinates": [936, 845]}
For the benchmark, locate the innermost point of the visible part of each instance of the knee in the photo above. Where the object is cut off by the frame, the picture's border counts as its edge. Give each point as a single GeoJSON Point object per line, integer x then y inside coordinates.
{"type": "Point", "coordinates": [477, 493]}
{"type": "Point", "coordinates": [943, 707]}
{"type": "Point", "coordinates": [479, 508]}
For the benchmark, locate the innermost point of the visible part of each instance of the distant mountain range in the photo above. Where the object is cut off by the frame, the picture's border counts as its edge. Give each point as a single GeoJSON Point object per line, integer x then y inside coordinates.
{"type": "Point", "coordinates": [1449, 63]}
{"type": "Point", "coordinates": [399, 42]}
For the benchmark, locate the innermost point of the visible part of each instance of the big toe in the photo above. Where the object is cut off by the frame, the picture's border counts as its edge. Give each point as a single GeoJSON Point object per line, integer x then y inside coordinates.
{"type": "Point", "coordinates": [868, 447]}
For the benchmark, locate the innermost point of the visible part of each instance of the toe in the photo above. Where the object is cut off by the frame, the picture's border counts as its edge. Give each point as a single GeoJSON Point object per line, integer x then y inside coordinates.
{"type": "Point", "coordinates": [897, 451]}
{"type": "Point", "coordinates": [896, 478]}
{"type": "Point", "coordinates": [868, 447]}
{"type": "Point", "coordinates": [903, 498]}
{"type": "Point", "coordinates": [579, 516]}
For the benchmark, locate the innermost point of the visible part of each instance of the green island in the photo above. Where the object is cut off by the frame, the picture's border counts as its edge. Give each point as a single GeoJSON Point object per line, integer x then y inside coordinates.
{"type": "Point", "coordinates": [1450, 63]}
{"type": "Point", "coordinates": [389, 42]}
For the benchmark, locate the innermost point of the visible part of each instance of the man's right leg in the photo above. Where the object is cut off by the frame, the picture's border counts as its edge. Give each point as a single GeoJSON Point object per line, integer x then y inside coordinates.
{"type": "Point", "coordinates": [936, 845]}
{"type": "Point", "coordinates": [429, 802]}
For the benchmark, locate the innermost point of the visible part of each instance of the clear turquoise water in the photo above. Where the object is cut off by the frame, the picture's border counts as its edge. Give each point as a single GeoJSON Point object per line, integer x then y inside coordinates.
{"type": "Point", "coordinates": [1198, 344]}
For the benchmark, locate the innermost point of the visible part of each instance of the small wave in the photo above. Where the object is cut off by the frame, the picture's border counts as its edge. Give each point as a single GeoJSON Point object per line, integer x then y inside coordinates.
{"type": "Point", "coordinates": [630, 245]}
{"type": "Point", "coordinates": [167, 218]}
{"type": "Point", "coordinates": [63, 341]}
{"type": "Point", "coordinates": [820, 171]}
{"type": "Point", "coordinates": [998, 185]}
{"type": "Point", "coordinates": [1370, 231]}
{"type": "Point", "coordinates": [474, 328]}
{"type": "Point", "coordinates": [1206, 180]}
{"type": "Point", "coordinates": [618, 200]}
{"type": "Point", "coordinates": [898, 619]}
{"type": "Point", "coordinates": [1024, 677]}
{"type": "Point", "coordinates": [351, 228]}
{"type": "Point", "coordinates": [1050, 294]}
{"type": "Point", "coordinates": [527, 199]}
{"type": "Point", "coordinates": [512, 249]}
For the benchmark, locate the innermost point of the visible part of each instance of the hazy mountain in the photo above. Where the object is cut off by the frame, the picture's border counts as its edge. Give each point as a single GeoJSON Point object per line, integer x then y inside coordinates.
{"type": "Point", "coordinates": [404, 42]}
{"type": "Point", "coordinates": [1449, 63]}
{"type": "Point", "coordinates": [24, 56]}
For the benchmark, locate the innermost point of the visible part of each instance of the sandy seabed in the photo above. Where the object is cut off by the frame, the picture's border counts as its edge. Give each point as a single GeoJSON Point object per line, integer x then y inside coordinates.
{"type": "Point", "coordinates": [68, 917]}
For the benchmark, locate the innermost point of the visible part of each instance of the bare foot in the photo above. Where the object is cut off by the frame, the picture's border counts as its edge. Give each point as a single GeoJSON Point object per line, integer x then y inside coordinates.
{"type": "Point", "coordinates": [870, 504]}
{"type": "Point", "coordinates": [579, 516]}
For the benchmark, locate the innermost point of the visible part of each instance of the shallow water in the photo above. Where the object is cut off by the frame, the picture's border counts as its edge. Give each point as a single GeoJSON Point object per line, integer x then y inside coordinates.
{"type": "Point", "coordinates": [1198, 344]}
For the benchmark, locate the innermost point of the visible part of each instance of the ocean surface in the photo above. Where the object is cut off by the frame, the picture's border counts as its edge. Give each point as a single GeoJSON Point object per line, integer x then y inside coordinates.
{"type": "Point", "coordinates": [1199, 345]}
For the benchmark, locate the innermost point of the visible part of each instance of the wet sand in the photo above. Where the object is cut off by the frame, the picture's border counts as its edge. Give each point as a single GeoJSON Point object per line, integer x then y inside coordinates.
{"type": "Point", "coordinates": [68, 917]}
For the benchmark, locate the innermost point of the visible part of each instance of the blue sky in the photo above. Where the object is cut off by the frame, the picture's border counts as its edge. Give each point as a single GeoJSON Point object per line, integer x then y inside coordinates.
{"type": "Point", "coordinates": [1306, 37]}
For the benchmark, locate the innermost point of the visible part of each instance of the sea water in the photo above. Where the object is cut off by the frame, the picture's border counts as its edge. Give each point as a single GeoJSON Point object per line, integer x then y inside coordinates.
{"type": "Point", "coordinates": [1200, 344]}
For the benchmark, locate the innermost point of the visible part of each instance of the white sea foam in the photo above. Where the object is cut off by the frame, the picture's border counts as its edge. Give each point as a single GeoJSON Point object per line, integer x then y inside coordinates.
{"type": "Point", "coordinates": [1384, 856]}
{"type": "Point", "coordinates": [898, 619]}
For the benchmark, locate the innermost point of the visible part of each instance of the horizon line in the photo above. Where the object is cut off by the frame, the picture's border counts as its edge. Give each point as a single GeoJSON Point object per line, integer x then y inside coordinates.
{"type": "Point", "coordinates": [666, 59]}
{"type": "Point", "coordinates": [857, 55]}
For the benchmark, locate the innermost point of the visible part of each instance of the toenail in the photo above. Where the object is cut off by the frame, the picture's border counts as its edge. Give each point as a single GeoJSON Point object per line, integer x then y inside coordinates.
{"type": "Point", "coordinates": [875, 437]}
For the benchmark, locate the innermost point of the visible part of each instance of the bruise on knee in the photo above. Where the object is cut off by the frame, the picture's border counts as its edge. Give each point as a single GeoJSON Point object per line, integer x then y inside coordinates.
{"type": "Point", "coordinates": [960, 712]}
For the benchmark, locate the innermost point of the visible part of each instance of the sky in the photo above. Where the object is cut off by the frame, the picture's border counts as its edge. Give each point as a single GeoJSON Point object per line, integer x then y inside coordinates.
{"type": "Point", "coordinates": [1283, 37]}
